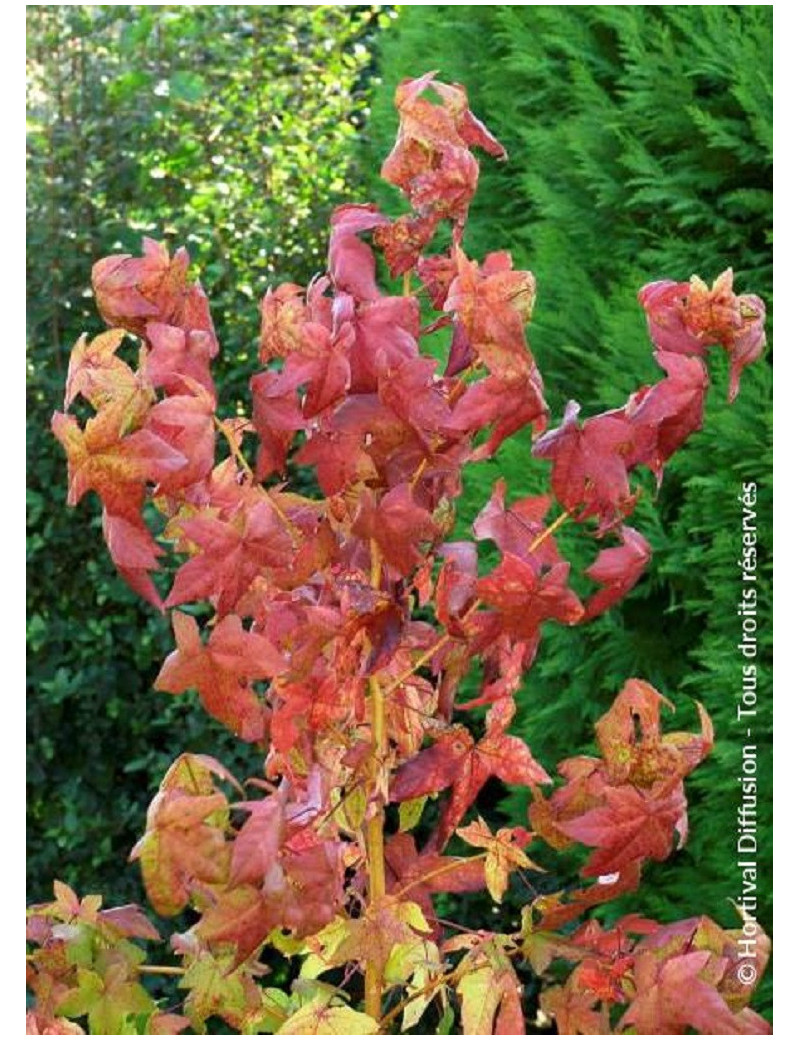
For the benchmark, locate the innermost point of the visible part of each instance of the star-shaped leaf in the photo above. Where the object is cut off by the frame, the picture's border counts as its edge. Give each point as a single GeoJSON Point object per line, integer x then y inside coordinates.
{"type": "Point", "coordinates": [617, 570]}
{"type": "Point", "coordinates": [184, 842]}
{"type": "Point", "coordinates": [131, 291]}
{"type": "Point", "coordinates": [629, 826]}
{"type": "Point", "coordinates": [503, 853]}
{"type": "Point", "coordinates": [177, 355]}
{"type": "Point", "coordinates": [398, 525]}
{"type": "Point", "coordinates": [523, 600]}
{"type": "Point", "coordinates": [489, 995]}
{"type": "Point", "coordinates": [97, 374]}
{"type": "Point", "coordinates": [102, 459]}
{"type": "Point", "coordinates": [589, 473]}
{"type": "Point", "coordinates": [456, 761]}
{"type": "Point", "coordinates": [230, 554]}
{"type": "Point", "coordinates": [680, 992]}
{"type": "Point", "coordinates": [324, 1018]}
{"type": "Point", "coordinates": [221, 671]}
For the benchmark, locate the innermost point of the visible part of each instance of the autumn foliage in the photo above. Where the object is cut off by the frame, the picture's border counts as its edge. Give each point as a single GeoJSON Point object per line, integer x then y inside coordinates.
{"type": "Point", "coordinates": [335, 633]}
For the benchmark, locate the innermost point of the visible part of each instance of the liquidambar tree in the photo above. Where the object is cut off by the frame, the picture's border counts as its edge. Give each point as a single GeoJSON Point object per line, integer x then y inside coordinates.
{"type": "Point", "coordinates": [336, 633]}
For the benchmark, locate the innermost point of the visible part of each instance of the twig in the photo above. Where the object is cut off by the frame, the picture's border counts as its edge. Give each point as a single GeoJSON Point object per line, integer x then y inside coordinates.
{"type": "Point", "coordinates": [429, 653]}
{"type": "Point", "coordinates": [544, 535]}
{"type": "Point", "coordinates": [235, 450]}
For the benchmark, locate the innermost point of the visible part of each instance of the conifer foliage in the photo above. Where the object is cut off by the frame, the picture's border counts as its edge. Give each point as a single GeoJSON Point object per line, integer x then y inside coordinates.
{"type": "Point", "coordinates": [634, 133]}
{"type": "Point", "coordinates": [335, 634]}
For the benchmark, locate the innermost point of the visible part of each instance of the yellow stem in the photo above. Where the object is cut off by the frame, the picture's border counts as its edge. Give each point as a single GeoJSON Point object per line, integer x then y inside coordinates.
{"type": "Point", "coordinates": [448, 978]}
{"type": "Point", "coordinates": [233, 446]}
{"type": "Point", "coordinates": [429, 653]}
{"type": "Point", "coordinates": [376, 868]}
{"type": "Point", "coordinates": [544, 535]}
{"type": "Point", "coordinates": [435, 983]}
{"type": "Point", "coordinates": [407, 283]}
{"type": "Point", "coordinates": [462, 383]}
{"type": "Point", "coordinates": [376, 564]}
{"type": "Point", "coordinates": [418, 472]}
{"type": "Point", "coordinates": [375, 853]}
{"type": "Point", "coordinates": [159, 969]}
{"type": "Point", "coordinates": [291, 529]}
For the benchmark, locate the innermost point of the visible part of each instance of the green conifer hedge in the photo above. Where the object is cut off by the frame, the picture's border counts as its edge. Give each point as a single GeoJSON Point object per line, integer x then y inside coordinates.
{"type": "Point", "coordinates": [639, 141]}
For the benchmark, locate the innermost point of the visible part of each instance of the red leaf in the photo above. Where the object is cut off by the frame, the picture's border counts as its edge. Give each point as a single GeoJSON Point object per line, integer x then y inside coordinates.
{"type": "Point", "coordinates": [556, 913]}
{"type": "Point", "coordinates": [404, 239]}
{"type": "Point", "coordinates": [575, 1010]}
{"type": "Point", "coordinates": [431, 138]}
{"type": "Point", "coordinates": [277, 416]}
{"type": "Point", "coordinates": [523, 600]}
{"type": "Point", "coordinates": [509, 757]}
{"type": "Point", "coordinates": [283, 317]}
{"type": "Point", "coordinates": [492, 304]}
{"type": "Point", "coordinates": [134, 552]}
{"type": "Point", "coordinates": [417, 397]}
{"type": "Point", "coordinates": [177, 355]}
{"type": "Point", "coordinates": [503, 408]}
{"type": "Point", "coordinates": [417, 875]}
{"type": "Point", "coordinates": [97, 374]}
{"type": "Point", "coordinates": [437, 273]}
{"type": "Point", "coordinates": [328, 377]}
{"type": "Point", "coordinates": [461, 355]}
{"type": "Point", "coordinates": [663, 303]}
{"type": "Point", "coordinates": [167, 1024]}
{"type": "Point", "coordinates": [221, 671]}
{"type": "Point", "coordinates": [664, 415]}
{"type": "Point", "coordinates": [116, 467]}
{"type": "Point", "coordinates": [673, 994]}
{"type": "Point", "coordinates": [258, 842]}
{"type": "Point", "coordinates": [590, 471]}
{"type": "Point", "coordinates": [360, 438]}
{"type": "Point", "coordinates": [630, 805]}
{"type": "Point", "coordinates": [435, 768]}
{"type": "Point", "coordinates": [39, 1024]}
{"type": "Point", "coordinates": [456, 761]}
{"type": "Point", "coordinates": [314, 886]}
{"type": "Point", "coordinates": [386, 335]}
{"type": "Point", "coordinates": [455, 589]}
{"type": "Point", "coordinates": [231, 554]}
{"type": "Point", "coordinates": [631, 825]}
{"type": "Point", "coordinates": [186, 422]}
{"type": "Point", "coordinates": [398, 525]}
{"type": "Point", "coordinates": [351, 261]}
{"type": "Point", "coordinates": [241, 917]}
{"type": "Point", "coordinates": [634, 750]}
{"type": "Point", "coordinates": [130, 921]}
{"type": "Point", "coordinates": [131, 291]}
{"type": "Point", "coordinates": [747, 343]}
{"type": "Point", "coordinates": [184, 842]}
{"type": "Point", "coordinates": [503, 671]}
{"type": "Point", "coordinates": [617, 570]}
{"type": "Point", "coordinates": [515, 528]}
{"type": "Point", "coordinates": [688, 317]}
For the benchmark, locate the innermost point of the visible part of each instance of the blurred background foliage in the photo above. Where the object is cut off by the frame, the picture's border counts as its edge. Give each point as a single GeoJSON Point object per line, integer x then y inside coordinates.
{"type": "Point", "coordinates": [230, 130]}
{"type": "Point", "coordinates": [640, 147]}
{"type": "Point", "coordinates": [639, 142]}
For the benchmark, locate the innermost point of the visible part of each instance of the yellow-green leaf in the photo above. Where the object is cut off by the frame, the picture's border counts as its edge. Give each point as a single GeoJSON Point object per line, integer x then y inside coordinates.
{"type": "Point", "coordinates": [411, 812]}
{"type": "Point", "coordinates": [318, 1018]}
